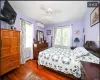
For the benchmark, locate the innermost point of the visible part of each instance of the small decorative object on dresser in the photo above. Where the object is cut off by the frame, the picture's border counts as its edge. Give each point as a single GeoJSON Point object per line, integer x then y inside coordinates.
{"type": "Point", "coordinates": [12, 27]}
{"type": "Point", "coordinates": [90, 71]}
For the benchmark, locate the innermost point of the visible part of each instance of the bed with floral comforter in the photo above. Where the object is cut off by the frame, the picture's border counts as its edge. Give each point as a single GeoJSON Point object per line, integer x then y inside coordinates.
{"type": "Point", "coordinates": [66, 60]}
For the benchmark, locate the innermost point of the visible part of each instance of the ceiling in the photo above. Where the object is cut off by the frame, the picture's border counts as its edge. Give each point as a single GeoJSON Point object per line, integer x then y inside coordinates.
{"type": "Point", "coordinates": [69, 10]}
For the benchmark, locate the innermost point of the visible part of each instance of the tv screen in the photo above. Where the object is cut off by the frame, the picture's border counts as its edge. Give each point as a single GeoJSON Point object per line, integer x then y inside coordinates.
{"type": "Point", "coordinates": [8, 13]}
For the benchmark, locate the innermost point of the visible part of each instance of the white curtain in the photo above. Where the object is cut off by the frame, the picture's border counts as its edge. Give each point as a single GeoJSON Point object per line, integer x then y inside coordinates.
{"type": "Point", "coordinates": [26, 41]}
{"type": "Point", "coordinates": [63, 36]}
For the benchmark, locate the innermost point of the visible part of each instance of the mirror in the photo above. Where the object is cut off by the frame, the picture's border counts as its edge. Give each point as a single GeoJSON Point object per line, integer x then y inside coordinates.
{"type": "Point", "coordinates": [39, 36]}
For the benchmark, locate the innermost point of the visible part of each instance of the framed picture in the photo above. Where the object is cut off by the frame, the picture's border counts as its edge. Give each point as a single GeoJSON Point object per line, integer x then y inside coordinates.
{"type": "Point", "coordinates": [76, 32]}
{"type": "Point", "coordinates": [48, 32]}
{"type": "Point", "coordinates": [94, 16]}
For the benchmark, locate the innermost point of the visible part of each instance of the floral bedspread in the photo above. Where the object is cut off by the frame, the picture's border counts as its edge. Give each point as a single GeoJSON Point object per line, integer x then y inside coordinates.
{"type": "Point", "coordinates": [65, 60]}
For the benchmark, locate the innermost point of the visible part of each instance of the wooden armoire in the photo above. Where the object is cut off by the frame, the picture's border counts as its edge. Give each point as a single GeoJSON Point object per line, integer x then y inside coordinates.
{"type": "Point", "coordinates": [10, 50]}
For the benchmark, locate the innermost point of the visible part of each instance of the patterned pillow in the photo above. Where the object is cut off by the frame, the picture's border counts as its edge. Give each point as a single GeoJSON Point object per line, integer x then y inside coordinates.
{"type": "Point", "coordinates": [82, 56]}
{"type": "Point", "coordinates": [80, 51]}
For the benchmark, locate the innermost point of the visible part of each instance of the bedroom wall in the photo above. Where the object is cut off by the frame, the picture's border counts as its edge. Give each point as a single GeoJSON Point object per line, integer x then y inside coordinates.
{"type": "Point", "coordinates": [77, 25]}
{"type": "Point", "coordinates": [91, 33]}
{"type": "Point", "coordinates": [17, 23]}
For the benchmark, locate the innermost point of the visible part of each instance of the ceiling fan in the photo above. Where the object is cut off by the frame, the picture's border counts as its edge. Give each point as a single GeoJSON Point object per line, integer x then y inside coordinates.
{"type": "Point", "coordinates": [49, 12]}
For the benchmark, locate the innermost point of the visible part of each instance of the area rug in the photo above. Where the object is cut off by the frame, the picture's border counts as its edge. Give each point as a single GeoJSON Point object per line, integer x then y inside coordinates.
{"type": "Point", "coordinates": [33, 77]}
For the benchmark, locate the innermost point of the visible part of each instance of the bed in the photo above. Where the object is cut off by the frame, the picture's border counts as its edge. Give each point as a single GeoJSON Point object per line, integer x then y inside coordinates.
{"type": "Point", "coordinates": [66, 60]}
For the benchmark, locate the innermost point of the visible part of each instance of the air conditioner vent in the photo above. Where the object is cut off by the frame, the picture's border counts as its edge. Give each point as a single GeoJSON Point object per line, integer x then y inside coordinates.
{"type": "Point", "coordinates": [38, 24]}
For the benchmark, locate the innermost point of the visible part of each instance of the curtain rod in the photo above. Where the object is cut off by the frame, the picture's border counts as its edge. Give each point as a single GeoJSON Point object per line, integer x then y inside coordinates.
{"type": "Point", "coordinates": [64, 25]}
{"type": "Point", "coordinates": [68, 25]}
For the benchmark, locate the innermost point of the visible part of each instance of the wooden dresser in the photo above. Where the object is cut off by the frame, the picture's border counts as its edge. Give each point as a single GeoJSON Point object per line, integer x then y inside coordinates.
{"type": "Point", "coordinates": [10, 50]}
{"type": "Point", "coordinates": [37, 47]}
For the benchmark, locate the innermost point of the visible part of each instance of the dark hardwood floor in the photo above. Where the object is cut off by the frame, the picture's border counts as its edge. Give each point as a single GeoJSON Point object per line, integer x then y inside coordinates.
{"type": "Point", "coordinates": [29, 67]}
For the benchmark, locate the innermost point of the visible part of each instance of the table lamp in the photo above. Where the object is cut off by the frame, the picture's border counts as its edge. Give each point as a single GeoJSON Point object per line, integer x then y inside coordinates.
{"type": "Point", "coordinates": [76, 40]}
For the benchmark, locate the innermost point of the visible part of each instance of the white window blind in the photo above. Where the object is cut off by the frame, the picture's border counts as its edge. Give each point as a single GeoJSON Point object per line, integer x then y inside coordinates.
{"type": "Point", "coordinates": [62, 36]}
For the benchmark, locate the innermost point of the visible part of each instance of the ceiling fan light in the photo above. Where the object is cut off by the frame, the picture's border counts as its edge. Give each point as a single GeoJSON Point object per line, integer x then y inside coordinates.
{"type": "Point", "coordinates": [49, 17]}
{"type": "Point", "coordinates": [49, 9]}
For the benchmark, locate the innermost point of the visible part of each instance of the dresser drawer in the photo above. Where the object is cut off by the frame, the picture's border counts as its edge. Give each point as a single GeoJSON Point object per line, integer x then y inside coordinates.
{"type": "Point", "coordinates": [15, 33]}
{"type": "Point", "coordinates": [9, 67]}
{"type": "Point", "coordinates": [15, 42]}
{"type": "Point", "coordinates": [15, 50]}
{"type": "Point", "coordinates": [5, 33]}
{"type": "Point", "coordinates": [7, 60]}
{"type": "Point", "coordinates": [5, 52]}
{"type": "Point", "coordinates": [5, 42]}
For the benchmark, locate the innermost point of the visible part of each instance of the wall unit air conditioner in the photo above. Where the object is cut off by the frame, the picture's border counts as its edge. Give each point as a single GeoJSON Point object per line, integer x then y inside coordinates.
{"type": "Point", "coordinates": [38, 24]}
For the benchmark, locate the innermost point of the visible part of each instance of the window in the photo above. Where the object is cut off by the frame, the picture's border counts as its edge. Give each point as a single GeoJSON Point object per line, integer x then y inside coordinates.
{"type": "Point", "coordinates": [29, 34]}
{"type": "Point", "coordinates": [63, 36]}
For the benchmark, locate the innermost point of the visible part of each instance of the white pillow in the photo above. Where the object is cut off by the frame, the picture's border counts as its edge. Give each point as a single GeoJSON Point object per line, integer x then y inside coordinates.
{"type": "Point", "coordinates": [80, 51]}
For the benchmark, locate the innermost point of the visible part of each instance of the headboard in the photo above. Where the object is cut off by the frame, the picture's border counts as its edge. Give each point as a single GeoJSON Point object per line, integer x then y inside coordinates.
{"type": "Point", "coordinates": [92, 47]}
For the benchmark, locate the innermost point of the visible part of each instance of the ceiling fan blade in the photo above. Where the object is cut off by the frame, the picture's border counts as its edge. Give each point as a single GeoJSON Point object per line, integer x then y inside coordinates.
{"type": "Point", "coordinates": [46, 17]}
{"type": "Point", "coordinates": [44, 8]}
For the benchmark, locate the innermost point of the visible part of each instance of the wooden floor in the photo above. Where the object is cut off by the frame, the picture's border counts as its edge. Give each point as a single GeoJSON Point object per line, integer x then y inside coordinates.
{"type": "Point", "coordinates": [29, 67]}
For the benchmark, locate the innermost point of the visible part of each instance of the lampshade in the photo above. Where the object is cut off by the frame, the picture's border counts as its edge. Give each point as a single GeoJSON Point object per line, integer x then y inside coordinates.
{"type": "Point", "coordinates": [98, 39]}
{"type": "Point", "coordinates": [76, 40]}
{"type": "Point", "coordinates": [35, 45]}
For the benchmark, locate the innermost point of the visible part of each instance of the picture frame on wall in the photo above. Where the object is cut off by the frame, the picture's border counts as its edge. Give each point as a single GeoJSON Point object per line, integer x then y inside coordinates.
{"type": "Point", "coordinates": [48, 32]}
{"type": "Point", "coordinates": [94, 16]}
{"type": "Point", "coordinates": [77, 32]}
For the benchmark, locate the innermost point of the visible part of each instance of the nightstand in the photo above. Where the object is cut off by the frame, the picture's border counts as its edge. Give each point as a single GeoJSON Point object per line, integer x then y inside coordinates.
{"type": "Point", "coordinates": [73, 47]}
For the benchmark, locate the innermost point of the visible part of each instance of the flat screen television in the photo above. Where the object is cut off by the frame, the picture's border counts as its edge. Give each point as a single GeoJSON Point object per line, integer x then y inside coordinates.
{"type": "Point", "coordinates": [9, 15]}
